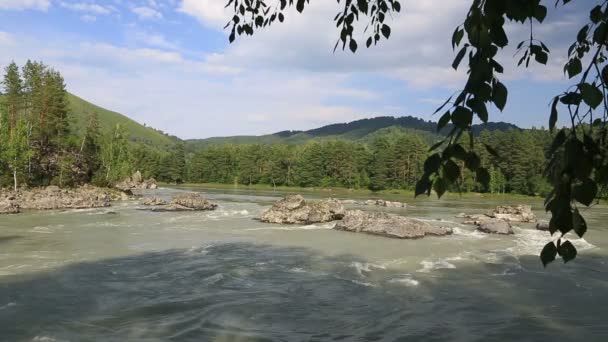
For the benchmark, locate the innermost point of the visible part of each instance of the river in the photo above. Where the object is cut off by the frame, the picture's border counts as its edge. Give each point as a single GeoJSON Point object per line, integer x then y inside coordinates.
{"type": "Point", "coordinates": [123, 274]}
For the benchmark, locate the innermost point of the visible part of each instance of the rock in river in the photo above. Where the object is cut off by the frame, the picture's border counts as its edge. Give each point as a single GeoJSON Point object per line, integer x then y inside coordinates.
{"type": "Point", "coordinates": [293, 209]}
{"type": "Point", "coordinates": [153, 201]}
{"type": "Point", "coordinates": [187, 202]}
{"type": "Point", "coordinates": [135, 181]}
{"type": "Point", "coordinates": [496, 227]}
{"type": "Point", "coordinates": [542, 225]}
{"type": "Point", "coordinates": [389, 225]}
{"type": "Point", "coordinates": [519, 213]}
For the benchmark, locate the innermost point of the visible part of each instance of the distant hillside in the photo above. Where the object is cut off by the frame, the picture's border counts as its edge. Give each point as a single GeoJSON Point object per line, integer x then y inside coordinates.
{"type": "Point", "coordinates": [356, 130]}
{"type": "Point", "coordinates": [138, 133]}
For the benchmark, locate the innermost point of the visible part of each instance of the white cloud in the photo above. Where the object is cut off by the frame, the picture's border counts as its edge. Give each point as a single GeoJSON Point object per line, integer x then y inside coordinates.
{"type": "Point", "coordinates": [208, 12]}
{"type": "Point", "coordinates": [146, 13]}
{"type": "Point", "coordinates": [86, 7]}
{"type": "Point", "coordinates": [42, 5]}
{"type": "Point", "coordinates": [87, 18]}
{"type": "Point", "coordinates": [154, 39]}
{"type": "Point", "coordinates": [6, 38]}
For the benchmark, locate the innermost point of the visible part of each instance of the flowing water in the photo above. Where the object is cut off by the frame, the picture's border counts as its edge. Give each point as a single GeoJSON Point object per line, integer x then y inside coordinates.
{"type": "Point", "coordinates": [122, 274]}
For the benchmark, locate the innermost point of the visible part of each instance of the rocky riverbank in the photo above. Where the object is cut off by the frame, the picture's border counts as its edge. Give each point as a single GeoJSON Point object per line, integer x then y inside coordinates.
{"type": "Point", "coordinates": [293, 209]}
{"type": "Point", "coordinates": [53, 197]}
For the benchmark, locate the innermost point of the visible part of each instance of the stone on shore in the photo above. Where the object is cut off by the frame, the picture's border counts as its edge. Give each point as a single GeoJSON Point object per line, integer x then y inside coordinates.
{"type": "Point", "coordinates": [8, 205]}
{"type": "Point", "coordinates": [388, 225]}
{"type": "Point", "coordinates": [542, 225]}
{"type": "Point", "coordinates": [293, 209]}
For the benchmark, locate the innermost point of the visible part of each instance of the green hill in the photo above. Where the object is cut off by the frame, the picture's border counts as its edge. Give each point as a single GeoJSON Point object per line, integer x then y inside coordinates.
{"type": "Point", "coordinates": [138, 133]}
{"type": "Point", "coordinates": [364, 129]}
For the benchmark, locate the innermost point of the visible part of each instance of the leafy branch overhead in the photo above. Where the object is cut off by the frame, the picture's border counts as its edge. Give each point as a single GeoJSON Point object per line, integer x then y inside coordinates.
{"type": "Point", "coordinates": [577, 163]}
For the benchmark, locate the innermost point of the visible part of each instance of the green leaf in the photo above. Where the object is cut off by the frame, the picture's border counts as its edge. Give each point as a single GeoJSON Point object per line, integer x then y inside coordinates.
{"type": "Point", "coordinates": [567, 251]}
{"type": "Point", "coordinates": [578, 223]}
{"type": "Point", "coordinates": [592, 96]}
{"type": "Point", "coordinates": [459, 57]}
{"type": "Point", "coordinates": [352, 45]}
{"type": "Point", "coordinates": [369, 42]}
{"type": "Point", "coordinates": [440, 186]}
{"type": "Point", "coordinates": [599, 35]}
{"type": "Point", "coordinates": [432, 163]}
{"type": "Point", "coordinates": [457, 37]}
{"type": "Point", "coordinates": [396, 6]}
{"type": "Point", "coordinates": [499, 95]}
{"type": "Point", "coordinates": [472, 162]}
{"type": "Point", "coordinates": [362, 4]}
{"type": "Point", "coordinates": [423, 186]}
{"type": "Point", "coordinates": [585, 192]}
{"type": "Point", "coordinates": [451, 171]}
{"type": "Point", "coordinates": [491, 150]}
{"type": "Point", "coordinates": [443, 121]}
{"type": "Point", "coordinates": [541, 57]}
{"type": "Point", "coordinates": [596, 14]}
{"type": "Point", "coordinates": [548, 254]}
{"type": "Point", "coordinates": [540, 12]}
{"type": "Point", "coordinates": [462, 117]}
{"type": "Point", "coordinates": [483, 176]}
{"type": "Point", "coordinates": [386, 31]}
{"type": "Point", "coordinates": [553, 117]}
{"type": "Point", "coordinates": [281, 17]}
{"type": "Point", "coordinates": [574, 67]}
{"type": "Point", "coordinates": [300, 5]}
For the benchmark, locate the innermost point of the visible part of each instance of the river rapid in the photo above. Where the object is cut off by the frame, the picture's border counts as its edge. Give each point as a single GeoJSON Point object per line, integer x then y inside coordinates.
{"type": "Point", "coordinates": [123, 274]}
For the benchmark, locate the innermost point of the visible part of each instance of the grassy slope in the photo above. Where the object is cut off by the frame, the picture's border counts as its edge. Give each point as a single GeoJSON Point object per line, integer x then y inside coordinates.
{"type": "Point", "coordinates": [80, 110]}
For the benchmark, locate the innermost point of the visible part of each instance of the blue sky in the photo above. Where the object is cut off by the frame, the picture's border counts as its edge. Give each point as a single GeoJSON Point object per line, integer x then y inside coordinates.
{"type": "Point", "coordinates": [167, 63]}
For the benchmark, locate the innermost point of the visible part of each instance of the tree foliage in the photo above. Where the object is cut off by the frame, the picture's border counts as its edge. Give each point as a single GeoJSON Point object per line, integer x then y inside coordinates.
{"type": "Point", "coordinates": [577, 164]}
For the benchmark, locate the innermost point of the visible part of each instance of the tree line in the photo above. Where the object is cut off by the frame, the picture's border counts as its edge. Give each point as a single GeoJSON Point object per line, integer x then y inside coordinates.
{"type": "Point", "coordinates": [391, 161]}
{"type": "Point", "coordinates": [39, 146]}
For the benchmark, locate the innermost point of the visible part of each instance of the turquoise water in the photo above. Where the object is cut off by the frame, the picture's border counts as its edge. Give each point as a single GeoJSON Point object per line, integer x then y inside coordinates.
{"type": "Point", "coordinates": [122, 274]}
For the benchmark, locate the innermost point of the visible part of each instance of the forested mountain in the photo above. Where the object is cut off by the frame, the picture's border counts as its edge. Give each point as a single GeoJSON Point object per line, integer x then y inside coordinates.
{"type": "Point", "coordinates": [355, 130]}
{"type": "Point", "coordinates": [79, 110]}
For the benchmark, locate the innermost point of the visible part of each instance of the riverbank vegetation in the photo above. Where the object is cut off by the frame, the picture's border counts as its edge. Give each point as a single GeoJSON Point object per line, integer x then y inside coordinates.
{"type": "Point", "coordinates": [48, 140]}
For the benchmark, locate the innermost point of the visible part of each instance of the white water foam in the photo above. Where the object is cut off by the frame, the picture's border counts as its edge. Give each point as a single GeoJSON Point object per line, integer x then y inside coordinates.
{"type": "Point", "coordinates": [362, 267]}
{"type": "Point", "coordinates": [531, 242]}
{"type": "Point", "coordinates": [309, 227]}
{"type": "Point", "coordinates": [430, 265]}
{"type": "Point", "coordinates": [471, 234]}
{"type": "Point", "coordinates": [8, 305]}
{"type": "Point", "coordinates": [405, 280]}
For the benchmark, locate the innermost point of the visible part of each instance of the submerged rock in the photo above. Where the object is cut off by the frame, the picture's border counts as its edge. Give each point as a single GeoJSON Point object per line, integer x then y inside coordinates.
{"type": "Point", "coordinates": [542, 225]}
{"type": "Point", "coordinates": [519, 213]}
{"type": "Point", "coordinates": [496, 227]}
{"type": "Point", "coordinates": [9, 205]}
{"type": "Point", "coordinates": [383, 203]}
{"type": "Point", "coordinates": [293, 209]}
{"type": "Point", "coordinates": [187, 202]}
{"type": "Point", "coordinates": [389, 225]}
{"type": "Point", "coordinates": [135, 181]}
{"type": "Point", "coordinates": [153, 201]}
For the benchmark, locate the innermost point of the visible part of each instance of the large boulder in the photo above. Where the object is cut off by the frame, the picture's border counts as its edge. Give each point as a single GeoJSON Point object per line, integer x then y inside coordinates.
{"type": "Point", "coordinates": [153, 201]}
{"type": "Point", "coordinates": [135, 181]}
{"type": "Point", "coordinates": [542, 225]}
{"type": "Point", "coordinates": [518, 213]}
{"type": "Point", "coordinates": [389, 225]}
{"type": "Point", "coordinates": [9, 205]}
{"type": "Point", "coordinates": [187, 202]}
{"type": "Point", "coordinates": [293, 209]}
{"type": "Point", "coordinates": [496, 227]}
